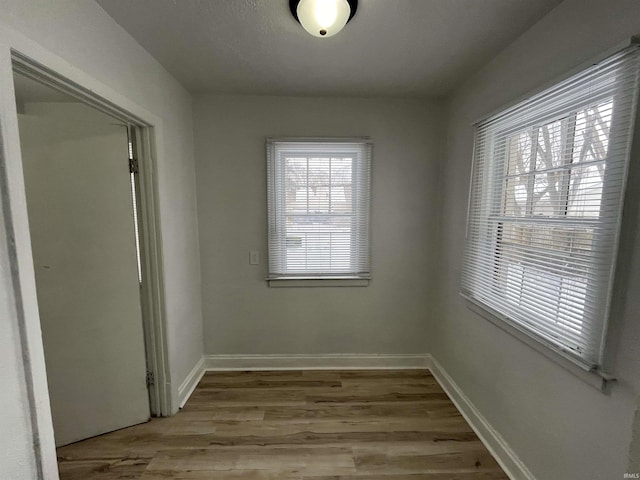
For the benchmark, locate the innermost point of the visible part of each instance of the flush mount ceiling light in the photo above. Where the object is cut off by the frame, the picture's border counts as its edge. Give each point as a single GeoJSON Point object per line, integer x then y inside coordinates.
{"type": "Point", "coordinates": [323, 18]}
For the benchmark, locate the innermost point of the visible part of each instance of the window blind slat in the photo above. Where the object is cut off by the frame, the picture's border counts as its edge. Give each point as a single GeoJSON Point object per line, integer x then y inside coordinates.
{"type": "Point", "coordinates": [545, 206]}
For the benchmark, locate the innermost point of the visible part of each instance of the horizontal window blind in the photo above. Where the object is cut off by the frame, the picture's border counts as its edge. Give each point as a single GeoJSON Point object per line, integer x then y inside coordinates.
{"type": "Point", "coordinates": [545, 207]}
{"type": "Point", "coordinates": [318, 208]}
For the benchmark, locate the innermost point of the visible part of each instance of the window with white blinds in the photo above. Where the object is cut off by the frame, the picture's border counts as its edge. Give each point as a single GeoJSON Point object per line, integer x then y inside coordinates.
{"type": "Point", "coordinates": [545, 207]}
{"type": "Point", "coordinates": [319, 195]}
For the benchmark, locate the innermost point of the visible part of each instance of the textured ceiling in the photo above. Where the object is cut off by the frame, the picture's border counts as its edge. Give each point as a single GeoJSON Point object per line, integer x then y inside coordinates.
{"type": "Point", "coordinates": [390, 48]}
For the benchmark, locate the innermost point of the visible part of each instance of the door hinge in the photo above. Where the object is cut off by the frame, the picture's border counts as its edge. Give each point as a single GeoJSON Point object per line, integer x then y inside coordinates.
{"type": "Point", "coordinates": [133, 165]}
{"type": "Point", "coordinates": [150, 378]}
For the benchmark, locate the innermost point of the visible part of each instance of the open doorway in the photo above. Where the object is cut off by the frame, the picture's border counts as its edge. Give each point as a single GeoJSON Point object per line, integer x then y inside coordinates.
{"type": "Point", "coordinates": [83, 240]}
{"type": "Point", "coordinates": [91, 203]}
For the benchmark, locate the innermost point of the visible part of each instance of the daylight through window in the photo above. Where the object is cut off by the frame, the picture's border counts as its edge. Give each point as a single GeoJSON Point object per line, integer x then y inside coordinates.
{"type": "Point", "coordinates": [545, 207]}
{"type": "Point", "coordinates": [318, 208]}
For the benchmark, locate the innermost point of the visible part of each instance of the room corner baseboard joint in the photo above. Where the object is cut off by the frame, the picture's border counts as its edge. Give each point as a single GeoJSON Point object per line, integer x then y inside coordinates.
{"type": "Point", "coordinates": [191, 382]}
{"type": "Point", "coordinates": [499, 448]}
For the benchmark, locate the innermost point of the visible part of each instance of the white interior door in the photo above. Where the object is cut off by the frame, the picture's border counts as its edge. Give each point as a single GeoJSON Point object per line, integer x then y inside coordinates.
{"type": "Point", "coordinates": [82, 234]}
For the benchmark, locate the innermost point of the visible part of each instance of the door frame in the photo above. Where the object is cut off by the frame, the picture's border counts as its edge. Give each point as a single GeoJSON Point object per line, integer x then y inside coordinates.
{"type": "Point", "coordinates": [147, 128]}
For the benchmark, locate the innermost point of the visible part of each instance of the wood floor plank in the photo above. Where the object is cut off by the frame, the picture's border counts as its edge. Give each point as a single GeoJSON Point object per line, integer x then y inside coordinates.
{"type": "Point", "coordinates": [385, 382]}
{"type": "Point", "coordinates": [189, 414]}
{"type": "Point", "coordinates": [342, 438]}
{"type": "Point", "coordinates": [339, 411]}
{"type": "Point", "coordinates": [364, 398]}
{"type": "Point", "coordinates": [471, 461]}
{"type": "Point", "coordinates": [288, 427]}
{"type": "Point", "coordinates": [222, 475]}
{"type": "Point", "coordinates": [321, 460]}
{"type": "Point", "coordinates": [253, 397]}
{"type": "Point", "coordinates": [103, 468]}
{"type": "Point", "coordinates": [295, 425]}
{"type": "Point", "coordinates": [402, 449]}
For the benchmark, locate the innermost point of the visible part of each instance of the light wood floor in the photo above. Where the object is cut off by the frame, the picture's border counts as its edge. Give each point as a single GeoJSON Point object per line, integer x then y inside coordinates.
{"type": "Point", "coordinates": [311, 425]}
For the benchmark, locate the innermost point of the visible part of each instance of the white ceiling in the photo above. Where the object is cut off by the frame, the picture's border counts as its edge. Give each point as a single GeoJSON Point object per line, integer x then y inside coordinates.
{"type": "Point", "coordinates": [390, 48]}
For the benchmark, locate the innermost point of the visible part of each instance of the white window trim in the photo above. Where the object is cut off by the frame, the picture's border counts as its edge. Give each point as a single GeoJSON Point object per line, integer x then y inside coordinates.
{"type": "Point", "coordinates": [598, 379]}
{"type": "Point", "coordinates": [329, 279]}
{"type": "Point", "coordinates": [318, 282]}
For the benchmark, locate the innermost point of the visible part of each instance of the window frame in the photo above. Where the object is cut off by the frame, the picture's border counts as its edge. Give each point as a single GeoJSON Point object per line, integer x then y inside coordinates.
{"type": "Point", "coordinates": [361, 148]}
{"type": "Point", "coordinates": [497, 190]}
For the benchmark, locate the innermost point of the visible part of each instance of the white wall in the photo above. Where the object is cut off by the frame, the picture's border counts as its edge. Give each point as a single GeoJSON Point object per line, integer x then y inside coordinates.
{"type": "Point", "coordinates": [242, 314]}
{"type": "Point", "coordinates": [16, 455]}
{"type": "Point", "coordinates": [80, 38]}
{"type": "Point", "coordinates": [560, 427]}
{"type": "Point", "coordinates": [85, 36]}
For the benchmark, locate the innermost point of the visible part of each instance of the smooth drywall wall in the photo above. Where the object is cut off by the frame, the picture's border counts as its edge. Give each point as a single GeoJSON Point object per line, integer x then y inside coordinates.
{"type": "Point", "coordinates": [559, 426]}
{"type": "Point", "coordinates": [16, 439]}
{"type": "Point", "coordinates": [86, 37]}
{"type": "Point", "coordinates": [243, 315]}
{"type": "Point", "coordinates": [80, 38]}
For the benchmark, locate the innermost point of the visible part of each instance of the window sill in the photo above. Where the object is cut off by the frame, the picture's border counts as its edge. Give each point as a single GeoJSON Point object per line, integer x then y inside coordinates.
{"type": "Point", "coordinates": [595, 378]}
{"type": "Point", "coordinates": [317, 282]}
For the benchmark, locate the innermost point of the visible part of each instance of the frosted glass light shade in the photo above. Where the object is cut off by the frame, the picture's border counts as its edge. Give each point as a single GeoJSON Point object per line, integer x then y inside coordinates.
{"type": "Point", "coordinates": [323, 18]}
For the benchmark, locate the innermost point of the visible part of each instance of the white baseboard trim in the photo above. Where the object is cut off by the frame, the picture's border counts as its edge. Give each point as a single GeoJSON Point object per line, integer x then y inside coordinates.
{"type": "Point", "coordinates": [191, 382]}
{"type": "Point", "coordinates": [501, 451]}
{"type": "Point", "coordinates": [315, 362]}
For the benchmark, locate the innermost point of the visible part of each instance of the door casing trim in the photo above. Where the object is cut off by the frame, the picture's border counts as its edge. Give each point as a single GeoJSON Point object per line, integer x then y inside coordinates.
{"type": "Point", "coordinates": [42, 65]}
{"type": "Point", "coordinates": [152, 289]}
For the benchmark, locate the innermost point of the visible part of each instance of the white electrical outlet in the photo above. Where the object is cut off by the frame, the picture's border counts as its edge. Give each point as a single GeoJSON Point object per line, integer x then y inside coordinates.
{"type": "Point", "coordinates": [254, 257]}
